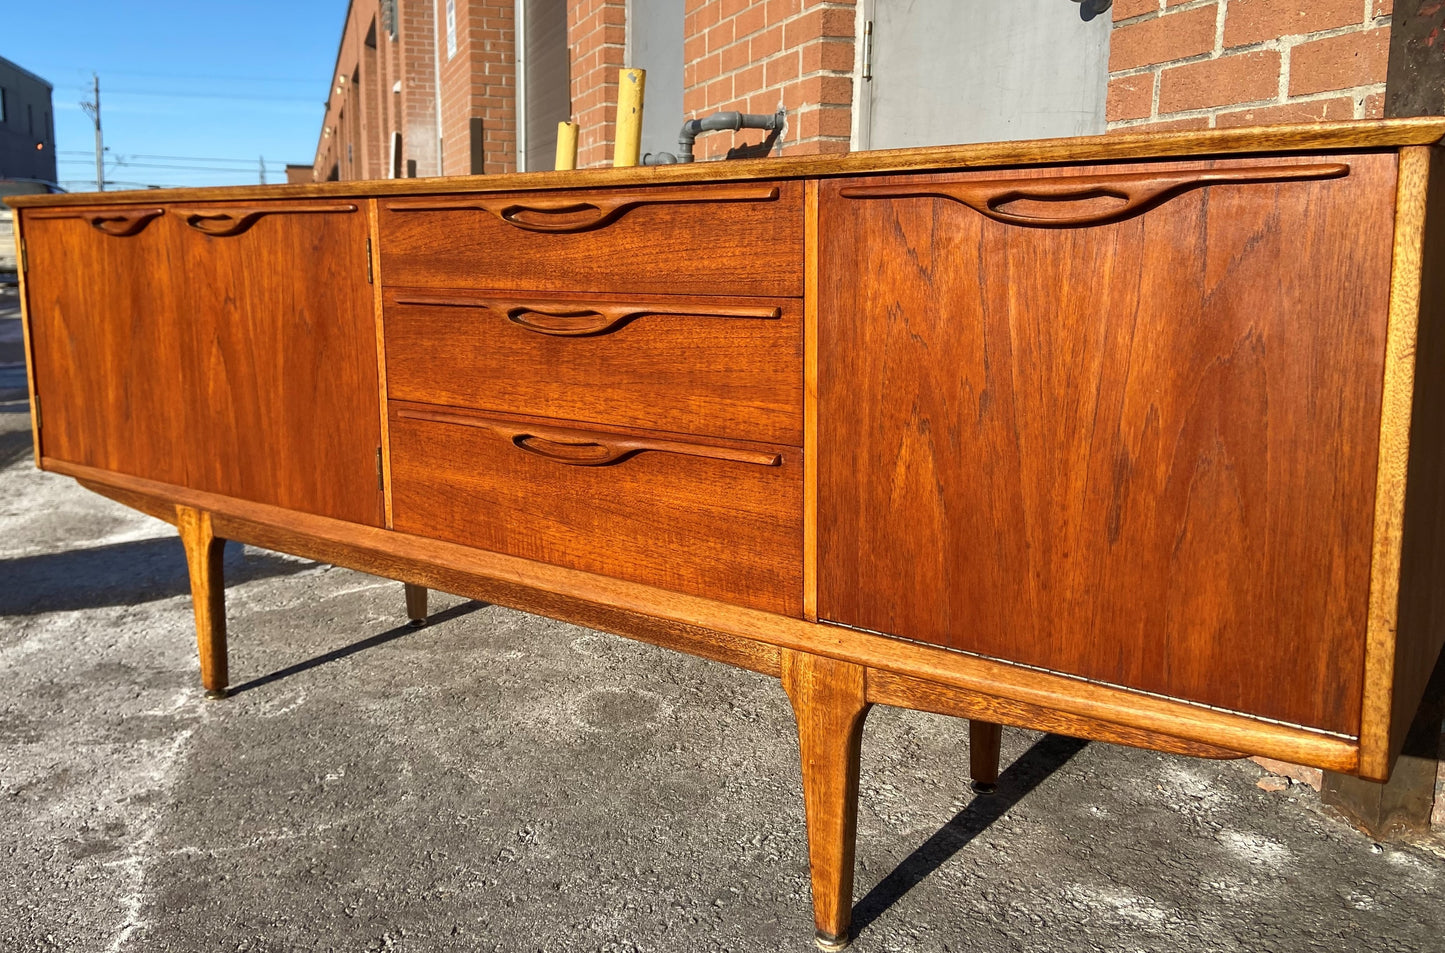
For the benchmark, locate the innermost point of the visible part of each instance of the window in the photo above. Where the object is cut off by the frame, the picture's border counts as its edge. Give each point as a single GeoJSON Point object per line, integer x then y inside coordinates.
{"type": "Point", "coordinates": [451, 28]}
{"type": "Point", "coordinates": [29, 119]}
{"type": "Point", "coordinates": [4, 104]}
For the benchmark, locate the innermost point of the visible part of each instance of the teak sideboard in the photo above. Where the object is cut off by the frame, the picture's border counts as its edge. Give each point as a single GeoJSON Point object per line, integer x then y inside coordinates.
{"type": "Point", "coordinates": [1136, 438]}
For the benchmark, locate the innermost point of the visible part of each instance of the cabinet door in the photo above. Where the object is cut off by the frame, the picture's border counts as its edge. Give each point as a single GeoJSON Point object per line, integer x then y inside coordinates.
{"type": "Point", "coordinates": [102, 301]}
{"type": "Point", "coordinates": [280, 339]}
{"type": "Point", "coordinates": [1119, 423]}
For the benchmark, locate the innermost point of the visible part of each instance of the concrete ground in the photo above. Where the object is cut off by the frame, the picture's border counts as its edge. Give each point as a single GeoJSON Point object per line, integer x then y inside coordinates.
{"type": "Point", "coordinates": [497, 781]}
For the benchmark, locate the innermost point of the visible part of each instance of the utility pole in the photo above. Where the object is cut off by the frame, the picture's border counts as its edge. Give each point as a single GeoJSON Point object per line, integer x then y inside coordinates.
{"type": "Point", "coordinates": [92, 109]}
{"type": "Point", "coordinates": [263, 170]}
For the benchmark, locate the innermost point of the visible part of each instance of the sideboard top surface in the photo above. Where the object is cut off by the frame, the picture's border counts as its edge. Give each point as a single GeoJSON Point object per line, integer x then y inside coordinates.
{"type": "Point", "coordinates": [1361, 134]}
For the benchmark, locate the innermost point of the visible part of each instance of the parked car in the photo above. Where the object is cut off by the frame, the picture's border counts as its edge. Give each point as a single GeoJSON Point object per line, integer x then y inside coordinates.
{"type": "Point", "coordinates": [9, 264]}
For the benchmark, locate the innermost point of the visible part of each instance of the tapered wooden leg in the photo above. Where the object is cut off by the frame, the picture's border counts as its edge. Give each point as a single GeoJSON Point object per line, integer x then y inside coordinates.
{"type": "Point", "coordinates": [829, 703]}
{"type": "Point", "coordinates": [983, 748]}
{"type": "Point", "coordinates": [415, 605]}
{"type": "Point", "coordinates": [208, 595]}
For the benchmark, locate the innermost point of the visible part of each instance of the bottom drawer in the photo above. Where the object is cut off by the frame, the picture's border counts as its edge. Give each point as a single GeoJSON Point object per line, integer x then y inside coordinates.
{"type": "Point", "coordinates": [713, 518]}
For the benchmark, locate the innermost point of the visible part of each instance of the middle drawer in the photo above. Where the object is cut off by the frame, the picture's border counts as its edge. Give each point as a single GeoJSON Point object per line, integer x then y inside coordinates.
{"type": "Point", "coordinates": [723, 367]}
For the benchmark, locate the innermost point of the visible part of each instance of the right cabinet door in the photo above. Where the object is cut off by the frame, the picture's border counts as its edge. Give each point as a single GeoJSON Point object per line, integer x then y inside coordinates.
{"type": "Point", "coordinates": [1118, 422]}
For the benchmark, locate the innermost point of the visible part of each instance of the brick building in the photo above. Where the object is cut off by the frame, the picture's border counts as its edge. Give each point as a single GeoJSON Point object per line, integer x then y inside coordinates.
{"type": "Point", "coordinates": [427, 87]}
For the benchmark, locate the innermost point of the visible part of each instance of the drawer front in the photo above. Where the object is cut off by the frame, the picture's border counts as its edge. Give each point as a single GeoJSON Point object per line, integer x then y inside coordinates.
{"type": "Point", "coordinates": [719, 367]}
{"type": "Point", "coordinates": [1118, 422]}
{"type": "Point", "coordinates": [708, 239]}
{"type": "Point", "coordinates": [716, 519]}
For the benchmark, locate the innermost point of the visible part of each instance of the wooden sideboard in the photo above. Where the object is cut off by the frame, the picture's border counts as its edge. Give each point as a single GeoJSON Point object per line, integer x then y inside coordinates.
{"type": "Point", "coordinates": [1135, 438]}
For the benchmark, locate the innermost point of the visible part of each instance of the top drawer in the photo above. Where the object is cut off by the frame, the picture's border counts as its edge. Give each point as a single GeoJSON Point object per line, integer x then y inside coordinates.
{"type": "Point", "coordinates": [744, 238]}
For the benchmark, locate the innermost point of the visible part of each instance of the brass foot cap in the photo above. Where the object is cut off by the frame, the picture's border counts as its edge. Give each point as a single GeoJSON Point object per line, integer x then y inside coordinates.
{"type": "Point", "coordinates": [216, 694]}
{"type": "Point", "coordinates": [829, 943]}
{"type": "Point", "coordinates": [981, 788]}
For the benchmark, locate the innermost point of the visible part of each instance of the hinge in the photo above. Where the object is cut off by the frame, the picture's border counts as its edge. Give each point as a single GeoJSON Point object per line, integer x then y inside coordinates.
{"type": "Point", "coordinates": [369, 277]}
{"type": "Point", "coordinates": [24, 258]}
{"type": "Point", "coordinates": [36, 401]}
{"type": "Point", "coordinates": [380, 477]}
{"type": "Point", "coordinates": [868, 50]}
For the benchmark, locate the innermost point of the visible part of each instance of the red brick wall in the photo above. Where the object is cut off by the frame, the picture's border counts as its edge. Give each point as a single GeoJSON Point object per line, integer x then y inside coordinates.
{"type": "Point", "coordinates": [756, 55]}
{"type": "Point", "coordinates": [1173, 64]}
{"type": "Point", "coordinates": [597, 34]}
{"type": "Point", "coordinates": [417, 72]}
{"type": "Point", "coordinates": [479, 81]}
{"type": "Point", "coordinates": [1197, 64]}
{"type": "Point", "coordinates": [364, 114]}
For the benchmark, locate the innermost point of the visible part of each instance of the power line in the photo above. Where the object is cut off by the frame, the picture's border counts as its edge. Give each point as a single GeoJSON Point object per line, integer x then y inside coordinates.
{"type": "Point", "coordinates": [136, 155]}
{"type": "Point", "coordinates": [172, 168]}
{"type": "Point", "coordinates": [168, 94]}
{"type": "Point", "coordinates": [204, 76]}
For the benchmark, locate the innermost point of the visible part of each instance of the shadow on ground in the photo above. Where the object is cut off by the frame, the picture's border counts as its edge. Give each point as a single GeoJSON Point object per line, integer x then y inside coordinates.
{"type": "Point", "coordinates": [1047, 755]}
{"type": "Point", "coordinates": [371, 642]}
{"type": "Point", "coordinates": [128, 573]}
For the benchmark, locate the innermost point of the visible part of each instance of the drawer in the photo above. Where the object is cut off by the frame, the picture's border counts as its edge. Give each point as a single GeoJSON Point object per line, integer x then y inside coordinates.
{"type": "Point", "coordinates": [725, 367]}
{"type": "Point", "coordinates": [713, 518]}
{"type": "Point", "coordinates": [709, 239]}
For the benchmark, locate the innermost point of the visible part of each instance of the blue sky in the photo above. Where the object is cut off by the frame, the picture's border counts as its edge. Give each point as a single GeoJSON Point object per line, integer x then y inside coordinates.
{"type": "Point", "coordinates": [210, 86]}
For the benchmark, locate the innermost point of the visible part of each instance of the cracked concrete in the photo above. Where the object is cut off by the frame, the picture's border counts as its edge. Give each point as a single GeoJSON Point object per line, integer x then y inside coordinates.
{"type": "Point", "coordinates": [496, 781]}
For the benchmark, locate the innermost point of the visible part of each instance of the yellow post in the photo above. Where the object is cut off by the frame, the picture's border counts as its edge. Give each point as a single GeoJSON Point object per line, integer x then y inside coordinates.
{"type": "Point", "coordinates": [566, 146]}
{"type": "Point", "coordinates": [629, 117]}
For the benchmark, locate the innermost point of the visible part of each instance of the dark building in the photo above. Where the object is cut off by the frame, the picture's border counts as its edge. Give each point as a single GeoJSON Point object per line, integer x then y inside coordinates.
{"type": "Point", "coordinates": [27, 125]}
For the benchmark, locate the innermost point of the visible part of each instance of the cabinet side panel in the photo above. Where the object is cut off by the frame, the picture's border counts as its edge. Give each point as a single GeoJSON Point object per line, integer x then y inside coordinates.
{"type": "Point", "coordinates": [1138, 450]}
{"type": "Point", "coordinates": [1420, 625]}
{"type": "Point", "coordinates": [26, 342]}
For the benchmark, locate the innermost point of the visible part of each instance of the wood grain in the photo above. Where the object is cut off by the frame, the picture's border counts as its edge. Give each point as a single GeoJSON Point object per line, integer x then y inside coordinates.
{"type": "Point", "coordinates": [212, 361]}
{"type": "Point", "coordinates": [830, 705]}
{"type": "Point", "coordinates": [381, 371]}
{"type": "Point", "coordinates": [25, 340]}
{"type": "Point", "coordinates": [149, 505]}
{"type": "Point", "coordinates": [1140, 452]}
{"type": "Point", "coordinates": [281, 362]}
{"type": "Point", "coordinates": [810, 402]}
{"type": "Point", "coordinates": [1407, 597]}
{"type": "Point", "coordinates": [731, 633]}
{"type": "Point", "coordinates": [903, 691]}
{"type": "Point", "coordinates": [719, 240]}
{"type": "Point", "coordinates": [1091, 199]}
{"type": "Point", "coordinates": [1259, 140]}
{"type": "Point", "coordinates": [724, 528]}
{"type": "Point", "coordinates": [106, 359]}
{"type": "Point", "coordinates": [204, 554]}
{"type": "Point", "coordinates": [685, 365]}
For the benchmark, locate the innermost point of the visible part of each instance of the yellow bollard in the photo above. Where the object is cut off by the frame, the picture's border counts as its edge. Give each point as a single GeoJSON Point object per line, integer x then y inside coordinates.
{"type": "Point", "coordinates": [566, 146]}
{"type": "Point", "coordinates": [630, 83]}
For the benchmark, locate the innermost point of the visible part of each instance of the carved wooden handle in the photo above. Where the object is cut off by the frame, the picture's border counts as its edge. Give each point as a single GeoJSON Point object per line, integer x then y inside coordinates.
{"type": "Point", "coordinates": [582, 448]}
{"type": "Point", "coordinates": [223, 222]}
{"type": "Point", "coordinates": [563, 319]}
{"type": "Point", "coordinates": [1134, 191]}
{"type": "Point", "coordinates": [572, 213]}
{"type": "Point", "coordinates": [122, 222]}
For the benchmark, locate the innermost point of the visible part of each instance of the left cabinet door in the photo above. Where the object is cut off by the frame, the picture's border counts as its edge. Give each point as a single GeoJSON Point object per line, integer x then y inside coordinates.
{"type": "Point", "coordinates": [223, 348]}
{"type": "Point", "coordinates": [280, 331]}
{"type": "Point", "coordinates": [102, 306]}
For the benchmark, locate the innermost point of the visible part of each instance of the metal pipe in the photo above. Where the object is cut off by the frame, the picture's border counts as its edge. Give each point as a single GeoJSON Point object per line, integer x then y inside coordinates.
{"type": "Point", "coordinates": [717, 122]}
